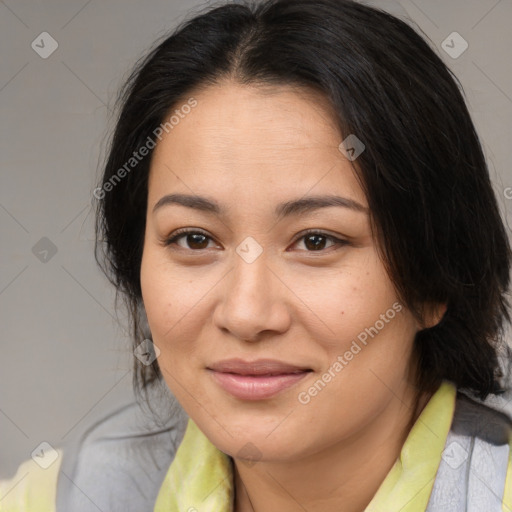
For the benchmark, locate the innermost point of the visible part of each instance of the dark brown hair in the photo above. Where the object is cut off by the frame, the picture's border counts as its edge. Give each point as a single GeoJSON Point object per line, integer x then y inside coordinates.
{"type": "Point", "coordinates": [432, 206]}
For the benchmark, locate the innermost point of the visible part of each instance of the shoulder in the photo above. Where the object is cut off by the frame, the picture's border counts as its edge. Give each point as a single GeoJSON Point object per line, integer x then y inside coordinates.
{"type": "Point", "coordinates": [484, 420]}
{"type": "Point", "coordinates": [476, 465]}
{"type": "Point", "coordinates": [33, 486]}
{"type": "Point", "coordinates": [120, 461]}
{"type": "Point", "coordinates": [490, 430]}
{"type": "Point", "coordinates": [117, 463]}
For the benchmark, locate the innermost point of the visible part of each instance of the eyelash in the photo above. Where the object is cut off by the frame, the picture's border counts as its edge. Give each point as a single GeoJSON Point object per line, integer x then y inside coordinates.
{"type": "Point", "coordinates": [167, 242]}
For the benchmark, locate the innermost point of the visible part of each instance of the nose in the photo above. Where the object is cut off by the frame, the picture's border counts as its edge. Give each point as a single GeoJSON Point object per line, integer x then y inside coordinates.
{"type": "Point", "coordinates": [253, 301]}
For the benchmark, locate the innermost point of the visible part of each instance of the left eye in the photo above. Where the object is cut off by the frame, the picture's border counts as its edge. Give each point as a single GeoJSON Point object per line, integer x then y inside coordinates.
{"type": "Point", "coordinates": [314, 241]}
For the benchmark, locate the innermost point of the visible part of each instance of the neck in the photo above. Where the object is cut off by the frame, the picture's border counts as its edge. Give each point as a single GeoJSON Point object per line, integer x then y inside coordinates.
{"type": "Point", "coordinates": [344, 477]}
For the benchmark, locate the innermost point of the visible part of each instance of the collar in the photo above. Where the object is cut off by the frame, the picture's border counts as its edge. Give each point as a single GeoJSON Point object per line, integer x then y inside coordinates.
{"type": "Point", "coordinates": [201, 476]}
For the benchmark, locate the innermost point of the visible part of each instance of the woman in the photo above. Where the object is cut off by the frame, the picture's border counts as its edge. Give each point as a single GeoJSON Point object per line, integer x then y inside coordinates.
{"type": "Point", "coordinates": [297, 210]}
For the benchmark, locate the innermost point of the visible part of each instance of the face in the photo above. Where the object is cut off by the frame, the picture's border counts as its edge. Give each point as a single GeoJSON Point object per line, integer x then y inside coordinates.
{"type": "Point", "coordinates": [272, 311]}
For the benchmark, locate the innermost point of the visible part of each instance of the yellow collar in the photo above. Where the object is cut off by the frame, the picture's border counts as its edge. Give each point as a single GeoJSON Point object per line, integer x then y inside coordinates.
{"type": "Point", "coordinates": [201, 476]}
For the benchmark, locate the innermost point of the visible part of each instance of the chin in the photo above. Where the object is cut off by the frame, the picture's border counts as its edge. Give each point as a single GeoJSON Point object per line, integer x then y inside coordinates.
{"type": "Point", "coordinates": [252, 438]}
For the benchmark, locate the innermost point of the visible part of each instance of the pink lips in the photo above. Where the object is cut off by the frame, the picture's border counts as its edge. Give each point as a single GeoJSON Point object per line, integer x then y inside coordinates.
{"type": "Point", "coordinates": [256, 380]}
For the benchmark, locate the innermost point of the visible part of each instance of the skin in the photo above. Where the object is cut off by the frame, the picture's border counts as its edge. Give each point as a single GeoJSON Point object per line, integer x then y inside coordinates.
{"type": "Point", "coordinates": [249, 149]}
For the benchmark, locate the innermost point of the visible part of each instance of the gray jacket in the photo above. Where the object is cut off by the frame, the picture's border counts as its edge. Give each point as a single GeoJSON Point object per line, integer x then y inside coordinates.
{"type": "Point", "coordinates": [120, 462]}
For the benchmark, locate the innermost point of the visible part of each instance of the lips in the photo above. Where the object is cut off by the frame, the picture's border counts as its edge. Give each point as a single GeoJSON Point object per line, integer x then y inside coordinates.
{"type": "Point", "coordinates": [256, 380]}
{"type": "Point", "coordinates": [259, 367]}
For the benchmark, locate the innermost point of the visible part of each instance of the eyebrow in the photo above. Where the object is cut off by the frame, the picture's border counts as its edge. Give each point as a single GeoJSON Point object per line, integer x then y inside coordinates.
{"type": "Point", "coordinates": [286, 209]}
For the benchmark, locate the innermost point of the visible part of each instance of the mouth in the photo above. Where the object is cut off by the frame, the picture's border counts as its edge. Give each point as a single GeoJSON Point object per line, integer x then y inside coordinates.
{"type": "Point", "coordinates": [256, 380]}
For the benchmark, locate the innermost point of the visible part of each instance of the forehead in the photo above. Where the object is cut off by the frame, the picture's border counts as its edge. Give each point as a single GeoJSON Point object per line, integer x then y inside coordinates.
{"type": "Point", "coordinates": [247, 140]}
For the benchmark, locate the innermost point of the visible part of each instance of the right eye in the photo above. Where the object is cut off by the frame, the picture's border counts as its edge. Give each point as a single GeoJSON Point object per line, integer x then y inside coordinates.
{"type": "Point", "coordinates": [195, 239]}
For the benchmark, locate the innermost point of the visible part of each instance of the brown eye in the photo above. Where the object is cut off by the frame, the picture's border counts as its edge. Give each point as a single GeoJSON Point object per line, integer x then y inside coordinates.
{"type": "Point", "coordinates": [315, 241]}
{"type": "Point", "coordinates": [194, 240]}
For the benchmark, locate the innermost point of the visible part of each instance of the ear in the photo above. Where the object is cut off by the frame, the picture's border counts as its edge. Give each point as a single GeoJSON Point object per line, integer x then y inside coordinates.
{"type": "Point", "coordinates": [432, 314]}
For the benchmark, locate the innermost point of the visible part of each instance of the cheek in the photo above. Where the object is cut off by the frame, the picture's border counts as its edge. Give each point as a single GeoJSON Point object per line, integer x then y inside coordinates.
{"type": "Point", "coordinates": [166, 298]}
{"type": "Point", "coordinates": [168, 294]}
{"type": "Point", "coordinates": [349, 300]}
{"type": "Point", "coordinates": [177, 307]}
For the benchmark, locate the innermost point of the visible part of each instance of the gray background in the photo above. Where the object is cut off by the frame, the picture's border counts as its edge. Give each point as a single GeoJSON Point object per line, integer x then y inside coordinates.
{"type": "Point", "coordinates": [65, 360]}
